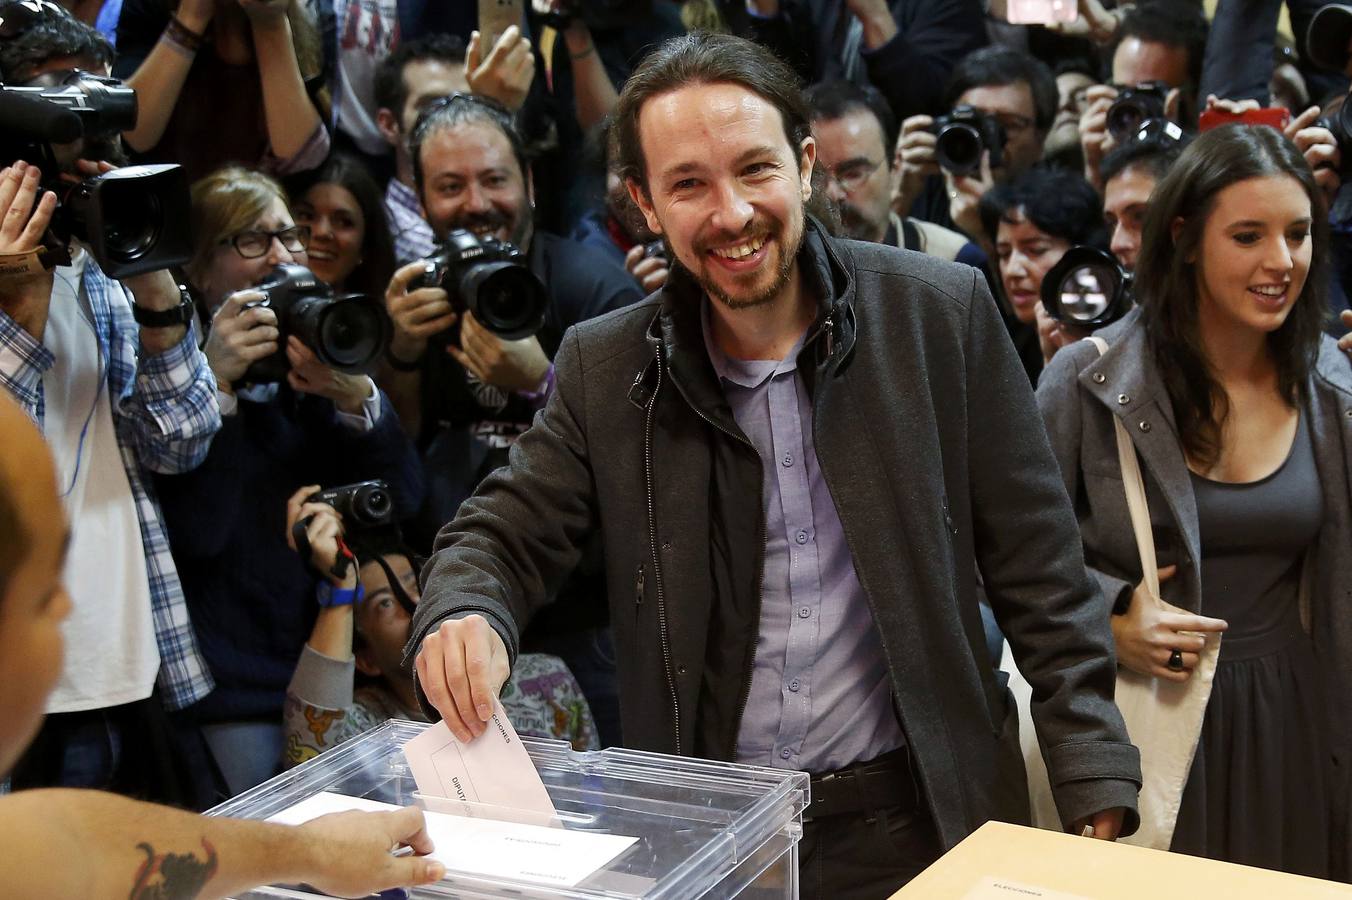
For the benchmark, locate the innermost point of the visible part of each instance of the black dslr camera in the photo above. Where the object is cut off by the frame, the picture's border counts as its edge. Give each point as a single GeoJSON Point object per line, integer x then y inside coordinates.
{"type": "Point", "coordinates": [1087, 289]}
{"type": "Point", "coordinates": [364, 506]}
{"type": "Point", "coordinates": [347, 332]}
{"type": "Point", "coordinates": [962, 135]}
{"type": "Point", "coordinates": [489, 278]}
{"type": "Point", "coordinates": [133, 219]}
{"type": "Point", "coordinates": [1135, 105]}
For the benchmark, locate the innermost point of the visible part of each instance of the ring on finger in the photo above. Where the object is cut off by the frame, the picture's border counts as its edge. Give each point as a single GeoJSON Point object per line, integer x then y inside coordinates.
{"type": "Point", "coordinates": [1176, 661]}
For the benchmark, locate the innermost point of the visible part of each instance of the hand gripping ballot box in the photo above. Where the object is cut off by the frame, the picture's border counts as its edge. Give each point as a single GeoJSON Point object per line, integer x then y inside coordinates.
{"type": "Point", "coordinates": [699, 829]}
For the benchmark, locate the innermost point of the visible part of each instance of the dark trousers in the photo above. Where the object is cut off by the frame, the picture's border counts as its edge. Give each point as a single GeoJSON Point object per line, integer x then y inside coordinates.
{"type": "Point", "coordinates": [864, 855]}
{"type": "Point", "coordinates": [133, 749]}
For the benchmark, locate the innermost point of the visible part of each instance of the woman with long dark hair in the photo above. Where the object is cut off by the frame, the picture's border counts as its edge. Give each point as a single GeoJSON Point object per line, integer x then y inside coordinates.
{"type": "Point", "coordinates": [1237, 408]}
{"type": "Point", "coordinates": [350, 244]}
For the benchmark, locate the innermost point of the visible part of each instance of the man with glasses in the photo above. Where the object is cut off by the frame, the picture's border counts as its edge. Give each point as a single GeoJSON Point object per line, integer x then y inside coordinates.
{"type": "Point", "coordinates": [1015, 89]}
{"type": "Point", "coordinates": [112, 373]}
{"type": "Point", "coordinates": [855, 131]}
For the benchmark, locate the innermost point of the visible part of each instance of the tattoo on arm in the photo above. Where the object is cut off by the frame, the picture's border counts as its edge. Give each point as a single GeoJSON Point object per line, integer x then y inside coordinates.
{"type": "Point", "coordinates": [173, 876]}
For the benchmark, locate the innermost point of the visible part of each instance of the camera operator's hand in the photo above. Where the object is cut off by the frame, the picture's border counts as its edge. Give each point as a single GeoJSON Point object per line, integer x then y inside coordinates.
{"type": "Point", "coordinates": [915, 161]}
{"type": "Point", "coordinates": [1053, 335]}
{"type": "Point", "coordinates": [461, 667]}
{"type": "Point", "coordinates": [1150, 631]}
{"type": "Point", "coordinates": [964, 198]}
{"type": "Point", "coordinates": [506, 73]}
{"type": "Point", "coordinates": [323, 529]}
{"type": "Point", "coordinates": [1320, 149]}
{"type": "Point", "coordinates": [309, 375]}
{"type": "Point", "coordinates": [510, 365]}
{"type": "Point", "coordinates": [649, 271]}
{"type": "Point", "coordinates": [25, 298]}
{"type": "Point", "coordinates": [416, 315]}
{"type": "Point", "coordinates": [240, 336]}
{"type": "Point", "coordinates": [1095, 140]}
{"type": "Point", "coordinates": [1345, 342]}
{"type": "Point", "coordinates": [265, 12]}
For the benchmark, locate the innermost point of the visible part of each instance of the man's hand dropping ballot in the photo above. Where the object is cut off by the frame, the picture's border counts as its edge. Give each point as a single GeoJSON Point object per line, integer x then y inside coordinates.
{"type": "Point", "coordinates": [491, 776]}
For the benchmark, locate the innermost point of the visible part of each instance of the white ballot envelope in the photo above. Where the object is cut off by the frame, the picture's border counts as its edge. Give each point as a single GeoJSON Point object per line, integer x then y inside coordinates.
{"type": "Point", "coordinates": [493, 770]}
{"type": "Point", "coordinates": [487, 848]}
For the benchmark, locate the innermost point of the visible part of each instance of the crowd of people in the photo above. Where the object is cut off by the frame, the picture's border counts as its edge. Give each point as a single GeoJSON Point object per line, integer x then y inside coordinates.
{"type": "Point", "coordinates": [706, 377]}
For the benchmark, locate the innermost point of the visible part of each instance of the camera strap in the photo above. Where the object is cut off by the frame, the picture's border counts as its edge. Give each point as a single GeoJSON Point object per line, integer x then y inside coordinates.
{"type": "Point", "coordinates": [341, 564]}
{"type": "Point", "coordinates": [24, 265]}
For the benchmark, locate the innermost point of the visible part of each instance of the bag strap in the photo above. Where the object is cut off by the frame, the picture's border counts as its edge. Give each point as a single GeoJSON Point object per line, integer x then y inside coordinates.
{"type": "Point", "coordinates": [1135, 489]}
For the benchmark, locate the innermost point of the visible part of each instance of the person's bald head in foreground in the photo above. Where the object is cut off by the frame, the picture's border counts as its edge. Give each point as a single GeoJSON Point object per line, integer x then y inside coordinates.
{"type": "Point", "coordinates": [33, 600]}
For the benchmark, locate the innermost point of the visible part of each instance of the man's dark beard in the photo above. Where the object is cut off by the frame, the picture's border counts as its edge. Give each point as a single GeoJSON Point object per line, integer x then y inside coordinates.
{"type": "Point", "coordinates": [781, 277]}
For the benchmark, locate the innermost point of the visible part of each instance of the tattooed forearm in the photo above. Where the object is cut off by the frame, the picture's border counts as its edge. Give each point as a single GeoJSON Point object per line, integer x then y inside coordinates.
{"type": "Point", "coordinates": [173, 876]}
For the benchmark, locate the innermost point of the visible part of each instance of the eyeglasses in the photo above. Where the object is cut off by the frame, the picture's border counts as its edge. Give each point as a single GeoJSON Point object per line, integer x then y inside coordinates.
{"type": "Point", "coordinates": [18, 15]}
{"type": "Point", "coordinates": [851, 175]}
{"type": "Point", "coordinates": [256, 242]}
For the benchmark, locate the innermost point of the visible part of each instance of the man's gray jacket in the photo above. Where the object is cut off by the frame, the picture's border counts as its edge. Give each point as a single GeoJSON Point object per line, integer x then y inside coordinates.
{"type": "Point", "coordinates": [931, 444]}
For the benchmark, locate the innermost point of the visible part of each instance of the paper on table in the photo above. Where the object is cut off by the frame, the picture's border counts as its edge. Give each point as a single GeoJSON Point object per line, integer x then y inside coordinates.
{"type": "Point", "coordinates": [487, 847]}
{"type": "Point", "coordinates": [493, 769]}
{"type": "Point", "coordinates": [992, 888]}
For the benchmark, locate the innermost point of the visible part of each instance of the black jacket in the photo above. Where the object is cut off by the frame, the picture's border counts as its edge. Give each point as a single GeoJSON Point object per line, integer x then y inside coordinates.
{"type": "Point", "coordinates": [929, 439]}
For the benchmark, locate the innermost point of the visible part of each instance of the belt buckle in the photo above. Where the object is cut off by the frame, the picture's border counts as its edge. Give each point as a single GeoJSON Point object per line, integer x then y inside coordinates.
{"type": "Point", "coordinates": [838, 775]}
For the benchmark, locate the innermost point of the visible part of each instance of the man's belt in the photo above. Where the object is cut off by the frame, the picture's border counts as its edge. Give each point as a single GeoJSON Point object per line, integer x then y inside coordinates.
{"type": "Point", "coordinates": [865, 786]}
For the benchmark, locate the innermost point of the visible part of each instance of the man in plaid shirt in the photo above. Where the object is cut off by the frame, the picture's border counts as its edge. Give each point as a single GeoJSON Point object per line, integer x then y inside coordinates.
{"type": "Point", "coordinates": [115, 399]}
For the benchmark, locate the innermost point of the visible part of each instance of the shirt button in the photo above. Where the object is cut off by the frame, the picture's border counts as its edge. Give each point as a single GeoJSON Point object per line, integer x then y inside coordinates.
{"type": "Point", "coordinates": [804, 612]}
{"type": "Point", "coordinates": [793, 685]}
{"type": "Point", "coordinates": [785, 753]}
{"type": "Point", "coordinates": [801, 537]}
{"type": "Point", "coordinates": [1099, 378]}
{"type": "Point", "coordinates": [788, 460]}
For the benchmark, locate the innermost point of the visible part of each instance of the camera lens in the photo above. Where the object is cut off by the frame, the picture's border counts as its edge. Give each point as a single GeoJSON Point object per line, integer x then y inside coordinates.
{"type": "Point", "coordinates": [371, 505]}
{"type": "Point", "coordinates": [1124, 118]}
{"type": "Point", "coordinates": [958, 149]}
{"type": "Point", "coordinates": [350, 332]}
{"type": "Point", "coordinates": [131, 228]}
{"type": "Point", "coordinates": [1086, 292]}
{"type": "Point", "coordinates": [505, 297]}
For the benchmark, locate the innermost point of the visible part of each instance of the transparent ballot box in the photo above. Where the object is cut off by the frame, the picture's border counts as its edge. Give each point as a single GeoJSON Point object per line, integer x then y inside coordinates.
{"type": "Point", "coordinates": [700, 829]}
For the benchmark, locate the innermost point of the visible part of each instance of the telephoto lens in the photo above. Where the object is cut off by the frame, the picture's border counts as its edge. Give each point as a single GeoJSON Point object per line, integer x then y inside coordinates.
{"type": "Point", "coordinates": [1087, 288]}
{"type": "Point", "coordinates": [347, 332]}
{"type": "Point", "coordinates": [489, 278]}
{"type": "Point", "coordinates": [962, 136]}
{"type": "Point", "coordinates": [1135, 105]}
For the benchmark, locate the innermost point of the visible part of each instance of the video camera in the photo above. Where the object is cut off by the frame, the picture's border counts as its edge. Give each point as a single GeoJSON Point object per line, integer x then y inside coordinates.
{"type": "Point", "coordinates": [489, 278]}
{"type": "Point", "coordinates": [1088, 288]}
{"type": "Point", "coordinates": [1135, 105]}
{"type": "Point", "coordinates": [133, 219]}
{"type": "Point", "coordinates": [962, 135]}
{"type": "Point", "coordinates": [347, 332]}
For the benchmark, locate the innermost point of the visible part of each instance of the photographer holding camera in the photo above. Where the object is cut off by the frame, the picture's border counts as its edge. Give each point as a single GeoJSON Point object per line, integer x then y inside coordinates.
{"type": "Point", "coordinates": [350, 677]}
{"type": "Point", "coordinates": [1007, 101]}
{"type": "Point", "coordinates": [1158, 60]}
{"type": "Point", "coordinates": [290, 418]}
{"type": "Point", "coordinates": [112, 373]}
{"type": "Point", "coordinates": [1032, 221]}
{"type": "Point", "coordinates": [468, 397]}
